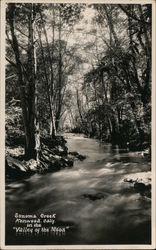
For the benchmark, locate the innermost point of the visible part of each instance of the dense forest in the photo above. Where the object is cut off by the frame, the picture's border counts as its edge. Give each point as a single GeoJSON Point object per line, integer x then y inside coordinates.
{"type": "Point", "coordinates": [76, 68]}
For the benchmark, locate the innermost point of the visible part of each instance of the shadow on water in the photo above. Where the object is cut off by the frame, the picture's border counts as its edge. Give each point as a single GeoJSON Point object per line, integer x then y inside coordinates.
{"type": "Point", "coordinates": [90, 200]}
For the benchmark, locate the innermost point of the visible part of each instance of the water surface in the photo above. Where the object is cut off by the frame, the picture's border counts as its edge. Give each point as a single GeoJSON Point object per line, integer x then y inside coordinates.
{"type": "Point", "coordinates": [90, 200]}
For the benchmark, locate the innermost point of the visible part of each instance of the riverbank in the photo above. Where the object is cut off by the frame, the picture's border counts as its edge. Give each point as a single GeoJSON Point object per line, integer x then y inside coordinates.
{"type": "Point", "coordinates": [53, 157]}
{"type": "Point", "coordinates": [53, 154]}
{"type": "Point", "coordinates": [141, 146]}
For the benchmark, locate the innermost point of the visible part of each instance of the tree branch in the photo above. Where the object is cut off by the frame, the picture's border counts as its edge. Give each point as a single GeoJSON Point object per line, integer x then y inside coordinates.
{"type": "Point", "coordinates": [10, 77]}
{"type": "Point", "coordinates": [21, 32]}
{"type": "Point", "coordinates": [132, 16]}
{"type": "Point", "coordinates": [11, 62]}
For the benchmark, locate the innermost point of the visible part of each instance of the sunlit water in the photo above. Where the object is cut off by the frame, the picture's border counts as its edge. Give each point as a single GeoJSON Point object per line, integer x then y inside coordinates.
{"type": "Point", "coordinates": [91, 199]}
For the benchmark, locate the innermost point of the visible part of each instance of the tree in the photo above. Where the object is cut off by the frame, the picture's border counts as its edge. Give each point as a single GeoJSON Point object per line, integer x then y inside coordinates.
{"type": "Point", "coordinates": [26, 80]}
{"type": "Point", "coordinates": [119, 79]}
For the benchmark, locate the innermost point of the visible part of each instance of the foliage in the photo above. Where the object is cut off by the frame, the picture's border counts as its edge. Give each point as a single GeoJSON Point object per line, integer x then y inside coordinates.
{"type": "Point", "coordinates": [99, 84]}
{"type": "Point", "coordinates": [118, 86]}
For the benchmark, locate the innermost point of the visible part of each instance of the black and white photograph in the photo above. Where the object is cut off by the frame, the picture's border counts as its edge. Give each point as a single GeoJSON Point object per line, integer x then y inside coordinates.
{"type": "Point", "coordinates": [78, 124]}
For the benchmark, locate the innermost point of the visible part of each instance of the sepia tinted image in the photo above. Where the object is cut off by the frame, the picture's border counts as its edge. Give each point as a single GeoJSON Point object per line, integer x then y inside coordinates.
{"type": "Point", "coordinates": [78, 124]}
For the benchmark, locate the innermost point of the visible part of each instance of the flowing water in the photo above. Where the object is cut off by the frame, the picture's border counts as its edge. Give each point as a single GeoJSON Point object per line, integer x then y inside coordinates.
{"type": "Point", "coordinates": [91, 201]}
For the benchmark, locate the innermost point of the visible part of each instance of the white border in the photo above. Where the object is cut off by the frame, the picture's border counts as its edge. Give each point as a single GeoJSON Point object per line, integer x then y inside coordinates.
{"type": "Point", "coordinates": [2, 124]}
{"type": "Point", "coordinates": [2, 129]}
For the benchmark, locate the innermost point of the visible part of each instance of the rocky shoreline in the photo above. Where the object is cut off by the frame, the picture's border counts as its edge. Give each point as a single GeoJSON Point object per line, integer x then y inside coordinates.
{"type": "Point", "coordinates": [54, 157]}
{"type": "Point", "coordinates": [140, 182]}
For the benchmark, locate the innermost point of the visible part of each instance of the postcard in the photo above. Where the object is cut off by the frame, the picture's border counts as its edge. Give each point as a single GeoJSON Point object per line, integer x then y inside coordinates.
{"type": "Point", "coordinates": [78, 124]}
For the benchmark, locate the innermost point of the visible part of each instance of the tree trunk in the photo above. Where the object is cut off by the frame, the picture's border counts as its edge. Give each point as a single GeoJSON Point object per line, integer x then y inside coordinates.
{"type": "Point", "coordinates": [31, 127]}
{"type": "Point", "coordinates": [59, 98]}
{"type": "Point", "coordinates": [33, 146]}
{"type": "Point", "coordinates": [51, 85]}
{"type": "Point", "coordinates": [20, 75]}
{"type": "Point", "coordinates": [52, 122]}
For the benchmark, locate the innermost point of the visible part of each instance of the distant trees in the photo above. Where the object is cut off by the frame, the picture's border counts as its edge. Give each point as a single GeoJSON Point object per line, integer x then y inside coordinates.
{"type": "Point", "coordinates": [119, 84]}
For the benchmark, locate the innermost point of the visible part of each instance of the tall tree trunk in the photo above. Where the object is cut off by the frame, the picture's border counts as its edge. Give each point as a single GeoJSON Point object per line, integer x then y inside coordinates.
{"type": "Point", "coordinates": [52, 127]}
{"type": "Point", "coordinates": [112, 121]}
{"type": "Point", "coordinates": [52, 123]}
{"type": "Point", "coordinates": [51, 84]}
{"type": "Point", "coordinates": [33, 147]}
{"type": "Point", "coordinates": [146, 93]}
{"type": "Point", "coordinates": [31, 127]}
{"type": "Point", "coordinates": [59, 87]}
{"type": "Point", "coordinates": [110, 23]}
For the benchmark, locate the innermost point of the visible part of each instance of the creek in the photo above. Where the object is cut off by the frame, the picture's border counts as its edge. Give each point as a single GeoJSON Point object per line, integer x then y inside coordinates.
{"type": "Point", "coordinates": [90, 200]}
